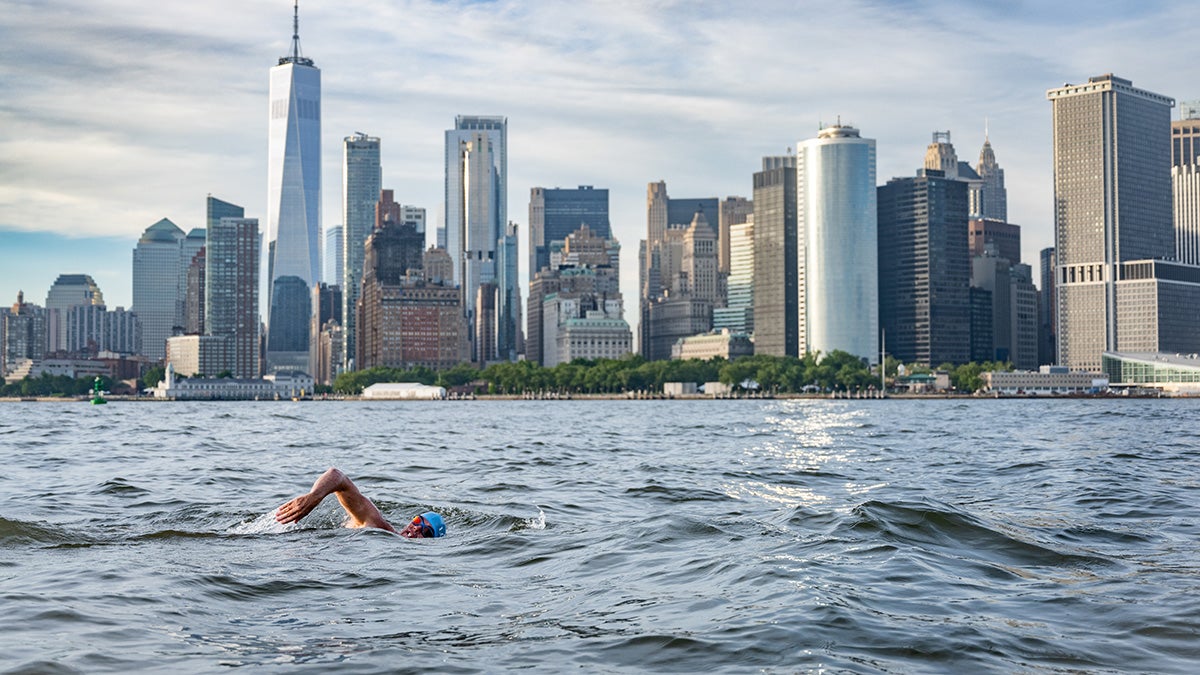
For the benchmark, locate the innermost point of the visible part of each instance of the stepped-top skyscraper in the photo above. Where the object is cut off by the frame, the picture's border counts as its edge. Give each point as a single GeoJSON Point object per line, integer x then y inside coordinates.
{"type": "Point", "coordinates": [462, 195]}
{"type": "Point", "coordinates": [293, 186]}
{"type": "Point", "coordinates": [1112, 196]}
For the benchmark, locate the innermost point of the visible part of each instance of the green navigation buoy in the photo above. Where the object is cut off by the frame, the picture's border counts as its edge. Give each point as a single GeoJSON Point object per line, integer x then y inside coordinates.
{"type": "Point", "coordinates": [97, 395]}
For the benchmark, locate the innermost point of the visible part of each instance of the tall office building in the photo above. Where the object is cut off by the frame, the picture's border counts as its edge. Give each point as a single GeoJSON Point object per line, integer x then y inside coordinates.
{"type": "Point", "coordinates": [698, 262]}
{"type": "Point", "coordinates": [662, 276]}
{"type": "Point", "coordinates": [156, 284]}
{"type": "Point", "coordinates": [733, 211]}
{"type": "Point", "coordinates": [555, 213]}
{"type": "Point", "coordinates": [93, 329]}
{"type": "Point", "coordinates": [508, 296]}
{"type": "Point", "coordinates": [325, 333]}
{"type": "Point", "coordinates": [575, 307]}
{"type": "Point", "coordinates": [1005, 237]}
{"type": "Point", "coordinates": [924, 269]}
{"type": "Point", "coordinates": [362, 180]}
{"type": "Point", "coordinates": [940, 155]}
{"type": "Point", "coordinates": [478, 240]}
{"type": "Point", "coordinates": [1112, 194]}
{"type": "Point", "coordinates": [685, 261]}
{"type": "Point", "coordinates": [837, 244]}
{"type": "Point", "coordinates": [1185, 183]}
{"type": "Point", "coordinates": [232, 289]}
{"type": "Point", "coordinates": [189, 247]}
{"type": "Point", "coordinates": [193, 299]}
{"type": "Point", "coordinates": [216, 209]}
{"type": "Point", "coordinates": [680, 212]}
{"type": "Point", "coordinates": [1047, 310]}
{"type": "Point", "coordinates": [464, 189]}
{"type": "Point", "coordinates": [293, 197]}
{"type": "Point", "coordinates": [333, 260]}
{"type": "Point", "coordinates": [67, 291]}
{"type": "Point", "coordinates": [738, 313]}
{"type": "Point", "coordinates": [776, 282]}
{"type": "Point", "coordinates": [404, 318]}
{"type": "Point", "coordinates": [993, 198]}
{"type": "Point", "coordinates": [24, 334]}
{"type": "Point", "coordinates": [1014, 326]}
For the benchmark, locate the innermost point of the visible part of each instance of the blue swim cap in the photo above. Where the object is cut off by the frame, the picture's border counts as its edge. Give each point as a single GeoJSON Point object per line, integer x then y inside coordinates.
{"type": "Point", "coordinates": [435, 521]}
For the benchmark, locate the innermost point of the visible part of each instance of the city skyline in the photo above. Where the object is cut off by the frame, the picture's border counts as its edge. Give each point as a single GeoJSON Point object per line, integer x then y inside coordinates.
{"type": "Point", "coordinates": [639, 105]}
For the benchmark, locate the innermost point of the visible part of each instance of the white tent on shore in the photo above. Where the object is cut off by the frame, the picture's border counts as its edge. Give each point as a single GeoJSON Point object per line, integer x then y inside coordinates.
{"type": "Point", "coordinates": [404, 391]}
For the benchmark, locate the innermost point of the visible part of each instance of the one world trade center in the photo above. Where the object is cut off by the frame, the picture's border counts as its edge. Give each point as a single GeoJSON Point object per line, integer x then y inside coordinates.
{"type": "Point", "coordinates": [293, 204]}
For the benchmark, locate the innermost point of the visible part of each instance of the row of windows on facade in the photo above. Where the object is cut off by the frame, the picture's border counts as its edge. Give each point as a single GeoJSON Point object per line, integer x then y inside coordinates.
{"type": "Point", "coordinates": [305, 109]}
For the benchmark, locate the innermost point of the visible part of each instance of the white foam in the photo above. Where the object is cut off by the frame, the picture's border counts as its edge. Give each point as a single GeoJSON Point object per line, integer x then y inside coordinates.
{"type": "Point", "coordinates": [264, 524]}
{"type": "Point", "coordinates": [538, 523]}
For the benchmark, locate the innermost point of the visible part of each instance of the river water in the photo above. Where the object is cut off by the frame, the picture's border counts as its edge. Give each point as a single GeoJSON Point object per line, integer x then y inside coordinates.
{"type": "Point", "coordinates": [890, 536]}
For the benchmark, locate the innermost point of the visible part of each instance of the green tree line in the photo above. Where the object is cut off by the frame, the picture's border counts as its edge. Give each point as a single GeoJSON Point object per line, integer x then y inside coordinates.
{"type": "Point", "coordinates": [836, 371]}
{"type": "Point", "coordinates": [54, 385]}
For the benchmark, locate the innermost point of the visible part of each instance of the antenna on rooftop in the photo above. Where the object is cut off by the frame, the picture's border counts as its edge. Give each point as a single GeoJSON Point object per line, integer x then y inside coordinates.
{"type": "Point", "coordinates": [296, 29]}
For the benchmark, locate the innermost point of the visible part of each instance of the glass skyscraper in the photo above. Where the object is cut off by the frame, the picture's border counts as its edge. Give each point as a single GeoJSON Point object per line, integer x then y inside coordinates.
{"type": "Point", "coordinates": [362, 181]}
{"type": "Point", "coordinates": [476, 235]}
{"type": "Point", "coordinates": [155, 285]}
{"type": "Point", "coordinates": [837, 244]}
{"type": "Point", "coordinates": [454, 236]}
{"type": "Point", "coordinates": [332, 262]}
{"type": "Point", "coordinates": [775, 268]}
{"type": "Point", "coordinates": [294, 178]}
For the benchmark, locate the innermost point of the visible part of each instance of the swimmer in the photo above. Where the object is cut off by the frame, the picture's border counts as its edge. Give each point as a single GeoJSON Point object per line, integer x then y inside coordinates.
{"type": "Point", "coordinates": [362, 512]}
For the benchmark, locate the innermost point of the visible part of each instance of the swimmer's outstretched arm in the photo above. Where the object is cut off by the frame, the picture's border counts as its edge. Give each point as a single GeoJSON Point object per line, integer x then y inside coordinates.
{"type": "Point", "coordinates": [362, 512]}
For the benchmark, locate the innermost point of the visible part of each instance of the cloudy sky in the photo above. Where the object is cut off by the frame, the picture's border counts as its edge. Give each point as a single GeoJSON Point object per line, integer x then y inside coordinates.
{"type": "Point", "coordinates": [115, 113]}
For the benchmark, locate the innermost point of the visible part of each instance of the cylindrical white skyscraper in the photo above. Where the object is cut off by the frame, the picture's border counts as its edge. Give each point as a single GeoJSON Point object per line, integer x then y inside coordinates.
{"type": "Point", "coordinates": [837, 244]}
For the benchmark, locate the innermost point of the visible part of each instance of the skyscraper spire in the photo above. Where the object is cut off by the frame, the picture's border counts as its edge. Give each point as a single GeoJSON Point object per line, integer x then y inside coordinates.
{"type": "Point", "coordinates": [295, 56]}
{"type": "Point", "coordinates": [296, 29]}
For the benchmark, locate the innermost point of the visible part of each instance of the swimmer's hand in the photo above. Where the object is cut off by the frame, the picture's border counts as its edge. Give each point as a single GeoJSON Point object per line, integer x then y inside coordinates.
{"type": "Point", "coordinates": [297, 508]}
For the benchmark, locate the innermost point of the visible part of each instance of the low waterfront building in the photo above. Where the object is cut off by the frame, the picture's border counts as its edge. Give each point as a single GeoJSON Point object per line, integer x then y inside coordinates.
{"type": "Point", "coordinates": [1047, 381]}
{"type": "Point", "coordinates": [723, 343]}
{"type": "Point", "coordinates": [1176, 373]}
{"type": "Point", "coordinates": [920, 383]}
{"type": "Point", "coordinates": [279, 385]}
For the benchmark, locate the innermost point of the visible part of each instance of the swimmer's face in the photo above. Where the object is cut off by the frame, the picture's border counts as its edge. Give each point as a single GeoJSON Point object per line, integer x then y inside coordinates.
{"type": "Point", "coordinates": [419, 528]}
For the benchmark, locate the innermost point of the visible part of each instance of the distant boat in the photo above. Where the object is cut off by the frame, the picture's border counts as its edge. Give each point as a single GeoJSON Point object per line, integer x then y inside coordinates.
{"type": "Point", "coordinates": [97, 394]}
